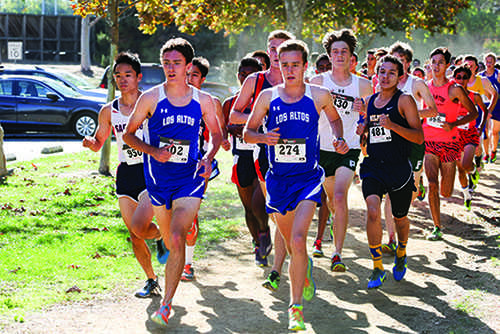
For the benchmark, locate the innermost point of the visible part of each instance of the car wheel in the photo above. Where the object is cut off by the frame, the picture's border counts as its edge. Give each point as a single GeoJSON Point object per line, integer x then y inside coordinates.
{"type": "Point", "coordinates": [84, 124]}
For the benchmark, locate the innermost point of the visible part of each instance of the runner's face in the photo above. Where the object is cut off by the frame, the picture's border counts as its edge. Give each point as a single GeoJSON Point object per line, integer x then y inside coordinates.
{"type": "Point", "coordinates": [174, 66]}
{"type": "Point", "coordinates": [272, 51]}
{"type": "Point", "coordinates": [438, 64]}
{"type": "Point", "coordinates": [472, 66]}
{"type": "Point", "coordinates": [126, 79]}
{"type": "Point", "coordinates": [461, 78]}
{"type": "Point", "coordinates": [371, 60]}
{"type": "Point", "coordinates": [388, 75]}
{"type": "Point", "coordinates": [419, 74]}
{"type": "Point", "coordinates": [324, 66]}
{"type": "Point", "coordinates": [340, 55]}
{"type": "Point", "coordinates": [244, 72]}
{"type": "Point", "coordinates": [490, 63]}
{"type": "Point", "coordinates": [292, 67]}
{"type": "Point", "coordinates": [402, 59]}
{"type": "Point", "coordinates": [194, 77]}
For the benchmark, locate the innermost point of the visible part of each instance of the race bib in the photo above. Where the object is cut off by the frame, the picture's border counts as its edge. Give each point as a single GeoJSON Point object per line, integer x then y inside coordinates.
{"type": "Point", "coordinates": [343, 104]}
{"type": "Point", "coordinates": [437, 121]}
{"type": "Point", "coordinates": [463, 126]}
{"type": "Point", "coordinates": [243, 145]}
{"type": "Point", "coordinates": [179, 149]}
{"type": "Point", "coordinates": [378, 134]}
{"type": "Point", "coordinates": [290, 150]}
{"type": "Point", "coordinates": [132, 156]}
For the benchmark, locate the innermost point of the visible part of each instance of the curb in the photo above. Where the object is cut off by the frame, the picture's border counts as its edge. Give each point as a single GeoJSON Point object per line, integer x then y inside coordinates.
{"type": "Point", "coordinates": [52, 149]}
{"type": "Point", "coordinates": [10, 157]}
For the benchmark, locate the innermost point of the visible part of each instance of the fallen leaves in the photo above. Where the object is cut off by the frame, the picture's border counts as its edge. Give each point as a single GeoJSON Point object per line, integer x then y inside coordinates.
{"type": "Point", "coordinates": [74, 288]}
{"type": "Point", "coordinates": [14, 271]}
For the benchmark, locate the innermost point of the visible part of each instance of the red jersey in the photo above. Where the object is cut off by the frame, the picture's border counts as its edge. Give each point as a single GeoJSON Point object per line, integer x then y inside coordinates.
{"type": "Point", "coordinates": [447, 112]}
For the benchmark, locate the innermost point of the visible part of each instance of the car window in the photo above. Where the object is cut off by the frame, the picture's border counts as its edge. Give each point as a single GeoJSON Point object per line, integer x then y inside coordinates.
{"type": "Point", "coordinates": [6, 87]}
{"type": "Point", "coordinates": [27, 89]}
{"type": "Point", "coordinates": [153, 75]}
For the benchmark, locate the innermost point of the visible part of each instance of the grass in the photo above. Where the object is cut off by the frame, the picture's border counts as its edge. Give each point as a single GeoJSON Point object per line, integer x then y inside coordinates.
{"type": "Point", "coordinates": [60, 227]}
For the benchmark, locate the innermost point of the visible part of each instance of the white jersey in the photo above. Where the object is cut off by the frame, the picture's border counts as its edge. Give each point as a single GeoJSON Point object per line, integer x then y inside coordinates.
{"type": "Point", "coordinates": [408, 89]}
{"type": "Point", "coordinates": [344, 101]}
{"type": "Point", "coordinates": [119, 122]}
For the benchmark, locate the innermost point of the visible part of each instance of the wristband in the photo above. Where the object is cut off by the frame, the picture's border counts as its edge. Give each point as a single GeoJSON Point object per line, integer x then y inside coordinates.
{"type": "Point", "coordinates": [341, 138]}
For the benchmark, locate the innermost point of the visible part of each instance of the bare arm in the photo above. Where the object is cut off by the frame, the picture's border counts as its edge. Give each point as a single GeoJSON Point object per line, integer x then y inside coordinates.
{"type": "Point", "coordinates": [260, 110]}
{"type": "Point", "coordinates": [422, 91]}
{"type": "Point", "coordinates": [243, 100]}
{"type": "Point", "coordinates": [458, 92]}
{"type": "Point", "coordinates": [408, 109]}
{"type": "Point", "coordinates": [491, 93]}
{"type": "Point", "coordinates": [103, 130]}
{"type": "Point", "coordinates": [222, 123]}
{"type": "Point", "coordinates": [478, 100]}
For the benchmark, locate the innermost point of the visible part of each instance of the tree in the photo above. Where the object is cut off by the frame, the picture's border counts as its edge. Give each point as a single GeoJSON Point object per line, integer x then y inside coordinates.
{"type": "Point", "coordinates": [85, 63]}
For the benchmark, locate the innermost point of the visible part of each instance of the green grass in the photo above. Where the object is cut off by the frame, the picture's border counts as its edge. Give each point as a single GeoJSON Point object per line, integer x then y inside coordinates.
{"type": "Point", "coordinates": [55, 218]}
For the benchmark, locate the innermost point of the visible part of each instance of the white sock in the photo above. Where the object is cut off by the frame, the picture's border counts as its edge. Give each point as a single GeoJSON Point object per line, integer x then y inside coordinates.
{"type": "Point", "coordinates": [189, 254]}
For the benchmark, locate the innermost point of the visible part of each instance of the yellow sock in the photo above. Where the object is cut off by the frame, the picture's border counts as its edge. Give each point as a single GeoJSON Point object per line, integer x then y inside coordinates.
{"type": "Point", "coordinates": [376, 251]}
{"type": "Point", "coordinates": [401, 251]}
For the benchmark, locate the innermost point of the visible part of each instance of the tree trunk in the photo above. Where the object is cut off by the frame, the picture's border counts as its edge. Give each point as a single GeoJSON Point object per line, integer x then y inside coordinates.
{"type": "Point", "coordinates": [3, 164]}
{"type": "Point", "coordinates": [295, 10]}
{"type": "Point", "coordinates": [106, 148]}
{"type": "Point", "coordinates": [85, 47]}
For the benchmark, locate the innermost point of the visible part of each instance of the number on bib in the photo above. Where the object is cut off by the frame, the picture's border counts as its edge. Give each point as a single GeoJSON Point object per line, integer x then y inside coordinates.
{"type": "Point", "coordinates": [290, 150]}
{"type": "Point", "coordinates": [343, 104]}
{"type": "Point", "coordinates": [132, 156]}
{"type": "Point", "coordinates": [179, 149]}
{"type": "Point", "coordinates": [437, 121]}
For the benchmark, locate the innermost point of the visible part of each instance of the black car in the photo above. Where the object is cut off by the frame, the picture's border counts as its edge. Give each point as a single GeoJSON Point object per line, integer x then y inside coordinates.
{"type": "Point", "coordinates": [152, 75]}
{"type": "Point", "coordinates": [28, 103]}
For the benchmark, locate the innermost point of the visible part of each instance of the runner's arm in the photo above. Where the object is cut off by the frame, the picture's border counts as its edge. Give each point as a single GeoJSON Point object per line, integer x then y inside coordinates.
{"type": "Point", "coordinates": [326, 104]}
{"type": "Point", "coordinates": [408, 109]}
{"type": "Point", "coordinates": [260, 110]}
{"type": "Point", "coordinates": [424, 93]}
{"type": "Point", "coordinates": [491, 93]}
{"type": "Point", "coordinates": [222, 123]}
{"type": "Point", "coordinates": [244, 98]}
{"type": "Point", "coordinates": [458, 92]}
{"type": "Point", "coordinates": [478, 100]}
{"type": "Point", "coordinates": [103, 130]}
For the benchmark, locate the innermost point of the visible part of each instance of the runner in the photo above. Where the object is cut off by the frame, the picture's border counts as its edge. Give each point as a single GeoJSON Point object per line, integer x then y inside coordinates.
{"type": "Point", "coordinates": [174, 170]}
{"type": "Point", "coordinates": [371, 62]}
{"type": "Point", "coordinates": [294, 178]}
{"type": "Point", "coordinates": [243, 172]}
{"type": "Point", "coordinates": [348, 91]}
{"type": "Point", "coordinates": [263, 58]}
{"type": "Point", "coordinates": [442, 145]}
{"type": "Point", "coordinates": [251, 88]}
{"type": "Point", "coordinates": [492, 74]}
{"type": "Point", "coordinates": [323, 63]}
{"type": "Point", "coordinates": [387, 169]}
{"type": "Point", "coordinates": [135, 206]}
{"type": "Point", "coordinates": [469, 135]}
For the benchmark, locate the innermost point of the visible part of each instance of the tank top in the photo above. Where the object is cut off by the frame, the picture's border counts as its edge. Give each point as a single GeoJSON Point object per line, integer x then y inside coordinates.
{"type": "Point", "coordinates": [386, 146]}
{"type": "Point", "coordinates": [297, 151]}
{"type": "Point", "coordinates": [119, 121]}
{"type": "Point", "coordinates": [344, 101]}
{"type": "Point", "coordinates": [447, 112]}
{"type": "Point", "coordinates": [494, 81]}
{"type": "Point", "coordinates": [239, 146]}
{"type": "Point", "coordinates": [175, 125]}
{"type": "Point", "coordinates": [462, 112]}
{"type": "Point", "coordinates": [408, 89]}
{"type": "Point", "coordinates": [477, 87]}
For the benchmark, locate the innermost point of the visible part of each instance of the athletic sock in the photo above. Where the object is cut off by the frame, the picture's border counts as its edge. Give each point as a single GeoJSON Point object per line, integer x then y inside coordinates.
{"type": "Point", "coordinates": [477, 160]}
{"type": "Point", "coordinates": [376, 251]}
{"type": "Point", "coordinates": [189, 254]}
{"type": "Point", "coordinates": [401, 251]}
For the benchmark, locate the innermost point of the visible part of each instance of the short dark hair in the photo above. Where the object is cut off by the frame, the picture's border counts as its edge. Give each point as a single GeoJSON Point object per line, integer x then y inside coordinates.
{"type": "Point", "coordinates": [202, 64]}
{"type": "Point", "coordinates": [442, 51]}
{"type": "Point", "coordinates": [294, 45]}
{"type": "Point", "coordinates": [492, 55]}
{"type": "Point", "coordinates": [472, 58]}
{"type": "Point", "coordinates": [128, 58]}
{"type": "Point", "coordinates": [391, 59]}
{"type": "Point", "coordinates": [462, 68]}
{"type": "Point", "coordinates": [403, 49]}
{"type": "Point", "coordinates": [344, 35]}
{"type": "Point", "coordinates": [262, 54]}
{"type": "Point", "coordinates": [178, 44]}
{"type": "Point", "coordinates": [418, 68]}
{"type": "Point", "coordinates": [381, 52]}
{"type": "Point", "coordinates": [320, 58]}
{"type": "Point", "coordinates": [250, 62]}
{"type": "Point", "coordinates": [355, 56]}
{"type": "Point", "coordinates": [280, 34]}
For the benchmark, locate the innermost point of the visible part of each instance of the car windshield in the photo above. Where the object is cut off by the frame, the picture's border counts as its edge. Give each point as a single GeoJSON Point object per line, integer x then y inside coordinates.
{"type": "Point", "coordinates": [60, 88]}
{"type": "Point", "coordinates": [75, 80]}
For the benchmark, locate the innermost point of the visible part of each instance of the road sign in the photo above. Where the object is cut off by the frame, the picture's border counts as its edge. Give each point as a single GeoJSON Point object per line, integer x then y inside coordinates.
{"type": "Point", "coordinates": [15, 50]}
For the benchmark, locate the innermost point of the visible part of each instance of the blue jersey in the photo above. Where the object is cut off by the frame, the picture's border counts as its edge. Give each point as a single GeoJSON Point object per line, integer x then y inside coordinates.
{"type": "Point", "coordinates": [297, 151]}
{"type": "Point", "coordinates": [179, 127]}
{"type": "Point", "coordinates": [494, 82]}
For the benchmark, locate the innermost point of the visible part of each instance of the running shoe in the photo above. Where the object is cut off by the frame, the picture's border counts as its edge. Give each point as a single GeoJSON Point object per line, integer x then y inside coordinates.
{"type": "Point", "coordinates": [259, 261]}
{"type": "Point", "coordinates": [309, 285]}
{"type": "Point", "coordinates": [435, 235]}
{"type": "Point", "coordinates": [161, 316]}
{"type": "Point", "coordinates": [296, 318]}
{"type": "Point", "coordinates": [467, 198]}
{"type": "Point", "coordinates": [187, 273]}
{"type": "Point", "coordinates": [317, 252]}
{"type": "Point", "coordinates": [486, 158]}
{"type": "Point", "coordinates": [151, 288]}
{"type": "Point", "coordinates": [356, 179]}
{"type": "Point", "coordinates": [389, 248]}
{"type": "Point", "coordinates": [161, 251]}
{"type": "Point", "coordinates": [377, 278]}
{"type": "Point", "coordinates": [493, 156]}
{"type": "Point", "coordinates": [265, 244]}
{"type": "Point", "coordinates": [474, 178]}
{"type": "Point", "coordinates": [272, 281]}
{"type": "Point", "coordinates": [421, 192]}
{"type": "Point", "coordinates": [337, 264]}
{"type": "Point", "coordinates": [399, 269]}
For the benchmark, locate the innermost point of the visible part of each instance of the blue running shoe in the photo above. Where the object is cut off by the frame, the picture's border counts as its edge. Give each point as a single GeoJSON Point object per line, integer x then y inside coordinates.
{"type": "Point", "coordinates": [399, 269]}
{"type": "Point", "coordinates": [161, 316]}
{"type": "Point", "coordinates": [377, 278]}
{"type": "Point", "coordinates": [309, 285]}
{"type": "Point", "coordinates": [265, 243]}
{"type": "Point", "coordinates": [151, 288]}
{"type": "Point", "coordinates": [161, 251]}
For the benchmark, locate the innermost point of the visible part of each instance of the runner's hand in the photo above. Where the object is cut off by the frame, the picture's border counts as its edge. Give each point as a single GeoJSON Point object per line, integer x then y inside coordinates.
{"type": "Point", "coordinates": [271, 137]}
{"type": "Point", "coordinates": [207, 164]}
{"type": "Point", "coordinates": [163, 154]}
{"type": "Point", "coordinates": [385, 121]}
{"type": "Point", "coordinates": [359, 106]}
{"type": "Point", "coordinates": [226, 145]}
{"type": "Point", "coordinates": [88, 142]}
{"type": "Point", "coordinates": [340, 146]}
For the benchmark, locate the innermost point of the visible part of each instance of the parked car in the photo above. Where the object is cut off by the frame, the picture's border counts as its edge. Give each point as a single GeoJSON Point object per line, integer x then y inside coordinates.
{"type": "Point", "coordinates": [152, 75]}
{"type": "Point", "coordinates": [29, 103]}
{"type": "Point", "coordinates": [68, 79]}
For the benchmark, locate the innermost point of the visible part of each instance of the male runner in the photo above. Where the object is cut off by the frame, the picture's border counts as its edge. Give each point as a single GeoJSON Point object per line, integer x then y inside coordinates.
{"type": "Point", "coordinates": [469, 135]}
{"type": "Point", "coordinates": [371, 62]}
{"type": "Point", "coordinates": [492, 74]}
{"type": "Point", "coordinates": [348, 91]}
{"type": "Point", "coordinates": [135, 206]}
{"type": "Point", "coordinates": [293, 181]}
{"type": "Point", "coordinates": [174, 170]}
{"type": "Point", "coordinates": [251, 88]}
{"type": "Point", "coordinates": [392, 123]}
{"type": "Point", "coordinates": [442, 145]}
{"type": "Point", "coordinates": [263, 58]}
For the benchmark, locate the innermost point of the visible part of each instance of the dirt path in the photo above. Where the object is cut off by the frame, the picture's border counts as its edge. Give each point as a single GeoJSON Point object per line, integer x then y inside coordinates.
{"type": "Point", "coordinates": [452, 286]}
